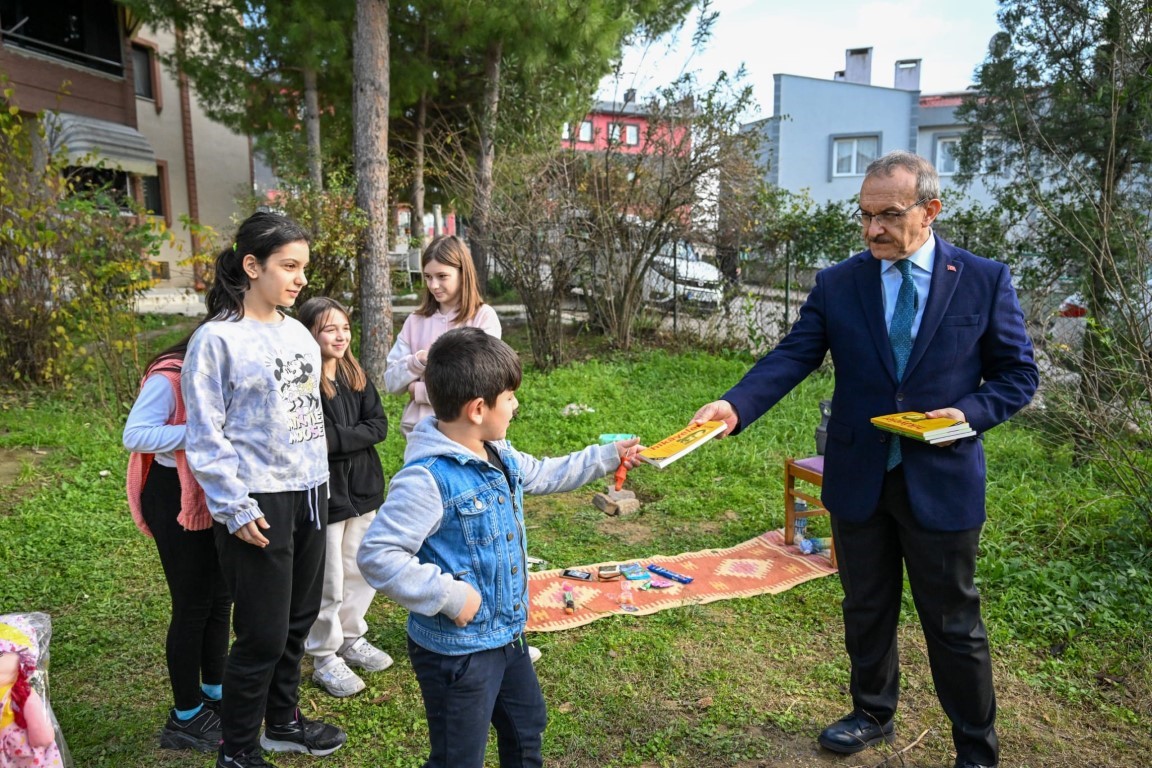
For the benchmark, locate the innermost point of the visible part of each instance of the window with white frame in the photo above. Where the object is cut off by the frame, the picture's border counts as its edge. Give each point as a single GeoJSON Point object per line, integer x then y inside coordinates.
{"type": "Point", "coordinates": [586, 131]}
{"type": "Point", "coordinates": [566, 132]}
{"type": "Point", "coordinates": [614, 131]}
{"type": "Point", "coordinates": [631, 135]}
{"type": "Point", "coordinates": [852, 154]}
{"type": "Point", "coordinates": [948, 155]}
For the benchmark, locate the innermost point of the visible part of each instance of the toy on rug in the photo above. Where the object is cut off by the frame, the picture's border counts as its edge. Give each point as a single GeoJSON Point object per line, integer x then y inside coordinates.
{"type": "Point", "coordinates": [27, 726]}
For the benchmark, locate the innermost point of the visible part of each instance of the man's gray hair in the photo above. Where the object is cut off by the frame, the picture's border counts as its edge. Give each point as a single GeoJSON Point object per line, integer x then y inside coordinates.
{"type": "Point", "coordinates": [927, 180]}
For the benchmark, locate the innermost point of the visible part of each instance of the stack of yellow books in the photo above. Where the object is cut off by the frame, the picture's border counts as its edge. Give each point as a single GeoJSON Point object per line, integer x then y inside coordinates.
{"type": "Point", "coordinates": [919, 427]}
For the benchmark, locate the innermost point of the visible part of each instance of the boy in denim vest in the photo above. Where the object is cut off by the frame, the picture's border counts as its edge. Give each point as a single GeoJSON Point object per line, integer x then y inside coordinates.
{"type": "Point", "coordinates": [449, 545]}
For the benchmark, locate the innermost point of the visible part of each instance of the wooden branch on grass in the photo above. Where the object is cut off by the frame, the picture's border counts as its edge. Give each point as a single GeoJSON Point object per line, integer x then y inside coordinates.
{"type": "Point", "coordinates": [897, 754]}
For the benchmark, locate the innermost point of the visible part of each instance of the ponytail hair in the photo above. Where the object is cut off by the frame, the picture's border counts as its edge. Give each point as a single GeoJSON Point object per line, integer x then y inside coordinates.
{"type": "Point", "coordinates": [452, 251]}
{"type": "Point", "coordinates": [261, 234]}
{"type": "Point", "coordinates": [313, 314]}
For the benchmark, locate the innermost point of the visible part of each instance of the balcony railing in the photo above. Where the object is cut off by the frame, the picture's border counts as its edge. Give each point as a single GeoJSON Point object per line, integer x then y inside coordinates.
{"type": "Point", "coordinates": [60, 52]}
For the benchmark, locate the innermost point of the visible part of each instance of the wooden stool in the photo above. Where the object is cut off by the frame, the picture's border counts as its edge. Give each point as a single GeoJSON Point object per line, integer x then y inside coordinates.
{"type": "Point", "coordinates": [810, 470]}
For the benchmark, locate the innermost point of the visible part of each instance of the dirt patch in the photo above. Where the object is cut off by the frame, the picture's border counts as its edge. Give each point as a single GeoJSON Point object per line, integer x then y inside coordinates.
{"type": "Point", "coordinates": [16, 464]}
{"type": "Point", "coordinates": [629, 529]}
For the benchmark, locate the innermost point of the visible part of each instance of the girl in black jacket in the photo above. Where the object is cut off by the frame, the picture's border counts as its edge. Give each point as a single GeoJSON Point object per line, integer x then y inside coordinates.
{"type": "Point", "coordinates": [354, 422]}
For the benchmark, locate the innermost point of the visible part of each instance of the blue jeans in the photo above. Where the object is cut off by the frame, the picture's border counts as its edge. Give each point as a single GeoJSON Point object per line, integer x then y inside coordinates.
{"type": "Point", "coordinates": [463, 695]}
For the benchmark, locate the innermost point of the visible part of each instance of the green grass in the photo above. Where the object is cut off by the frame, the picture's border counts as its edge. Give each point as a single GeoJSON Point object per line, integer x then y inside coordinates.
{"type": "Point", "coordinates": [1064, 575]}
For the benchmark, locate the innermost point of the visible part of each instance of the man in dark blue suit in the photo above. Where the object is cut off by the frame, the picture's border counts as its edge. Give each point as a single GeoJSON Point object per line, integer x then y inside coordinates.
{"type": "Point", "coordinates": [912, 324]}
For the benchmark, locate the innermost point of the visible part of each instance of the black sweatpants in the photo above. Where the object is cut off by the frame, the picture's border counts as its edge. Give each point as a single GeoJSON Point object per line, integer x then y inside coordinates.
{"type": "Point", "coordinates": [277, 593]}
{"type": "Point", "coordinates": [198, 632]}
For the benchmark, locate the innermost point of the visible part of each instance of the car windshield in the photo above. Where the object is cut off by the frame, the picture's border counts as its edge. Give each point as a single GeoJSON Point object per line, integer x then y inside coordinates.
{"type": "Point", "coordinates": [680, 250]}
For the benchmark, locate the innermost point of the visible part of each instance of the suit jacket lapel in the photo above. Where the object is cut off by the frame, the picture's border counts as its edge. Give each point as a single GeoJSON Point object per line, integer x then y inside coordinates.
{"type": "Point", "coordinates": [945, 277]}
{"type": "Point", "coordinates": [871, 296]}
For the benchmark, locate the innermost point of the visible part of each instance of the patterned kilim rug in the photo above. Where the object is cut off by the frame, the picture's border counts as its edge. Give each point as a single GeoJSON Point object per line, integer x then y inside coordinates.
{"type": "Point", "coordinates": [763, 564]}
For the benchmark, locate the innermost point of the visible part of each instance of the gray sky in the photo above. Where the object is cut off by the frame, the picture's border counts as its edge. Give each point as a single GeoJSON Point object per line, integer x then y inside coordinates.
{"type": "Point", "coordinates": [809, 37]}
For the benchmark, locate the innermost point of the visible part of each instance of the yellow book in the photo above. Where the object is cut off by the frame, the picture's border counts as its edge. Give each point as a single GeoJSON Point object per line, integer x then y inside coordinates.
{"type": "Point", "coordinates": [919, 427]}
{"type": "Point", "coordinates": [680, 444]}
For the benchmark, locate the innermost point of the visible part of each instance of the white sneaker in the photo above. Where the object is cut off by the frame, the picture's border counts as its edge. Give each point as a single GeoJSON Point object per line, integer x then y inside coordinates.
{"type": "Point", "coordinates": [338, 679]}
{"type": "Point", "coordinates": [534, 654]}
{"type": "Point", "coordinates": [366, 656]}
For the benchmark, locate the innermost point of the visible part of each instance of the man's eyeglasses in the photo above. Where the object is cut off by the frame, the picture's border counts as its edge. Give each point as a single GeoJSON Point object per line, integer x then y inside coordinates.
{"type": "Point", "coordinates": [888, 218]}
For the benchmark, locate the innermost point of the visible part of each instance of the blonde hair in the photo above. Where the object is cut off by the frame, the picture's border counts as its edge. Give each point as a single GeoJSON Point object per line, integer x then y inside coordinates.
{"type": "Point", "coordinates": [313, 314]}
{"type": "Point", "coordinates": [452, 251]}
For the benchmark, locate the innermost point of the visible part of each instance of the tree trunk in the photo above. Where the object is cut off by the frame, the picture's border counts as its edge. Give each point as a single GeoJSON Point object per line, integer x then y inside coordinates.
{"type": "Point", "coordinates": [312, 129]}
{"type": "Point", "coordinates": [418, 161]}
{"type": "Point", "coordinates": [418, 174]}
{"type": "Point", "coordinates": [482, 205]}
{"type": "Point", "coordinates": [370, 146]}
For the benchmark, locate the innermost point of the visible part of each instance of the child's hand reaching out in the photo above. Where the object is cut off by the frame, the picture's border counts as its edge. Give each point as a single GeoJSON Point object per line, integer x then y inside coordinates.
{"type": "Point", "coordinates": [629, 451]}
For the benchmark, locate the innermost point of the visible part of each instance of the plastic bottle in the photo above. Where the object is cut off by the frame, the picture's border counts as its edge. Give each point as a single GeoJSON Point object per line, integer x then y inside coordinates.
{"type": "Point", "coordinates": [626, 594]}
{"type": "Point", "coordinates": [800, 524]}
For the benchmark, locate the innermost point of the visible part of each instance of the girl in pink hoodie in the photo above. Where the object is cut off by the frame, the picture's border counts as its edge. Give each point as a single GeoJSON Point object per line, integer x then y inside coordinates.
{"type": "Point", "coordinates": [451, 299]}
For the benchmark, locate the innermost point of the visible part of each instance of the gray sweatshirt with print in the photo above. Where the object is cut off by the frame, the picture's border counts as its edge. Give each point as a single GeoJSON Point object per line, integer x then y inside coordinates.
{"type": "Point", "coordinates": [255, 422]}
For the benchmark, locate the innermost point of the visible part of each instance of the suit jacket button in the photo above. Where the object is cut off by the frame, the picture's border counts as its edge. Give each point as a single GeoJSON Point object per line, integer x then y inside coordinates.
{"type": "Point", "coordinates": [899, 397]}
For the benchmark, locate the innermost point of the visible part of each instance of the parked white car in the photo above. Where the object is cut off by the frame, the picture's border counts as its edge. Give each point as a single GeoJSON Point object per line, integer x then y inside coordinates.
{"type": "Point", "coordinates": [679, 273]}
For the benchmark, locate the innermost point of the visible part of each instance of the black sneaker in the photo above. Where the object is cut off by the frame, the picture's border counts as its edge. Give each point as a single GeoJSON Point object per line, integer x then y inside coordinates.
{"type": "Point", "coordinates": [201, 732]}
{"type": "Point", "coordinates": [303, 735]}
{"type": "Point", "coordinates": [248, 759]}
{"type": "Point", "coordinates": [212, 704]}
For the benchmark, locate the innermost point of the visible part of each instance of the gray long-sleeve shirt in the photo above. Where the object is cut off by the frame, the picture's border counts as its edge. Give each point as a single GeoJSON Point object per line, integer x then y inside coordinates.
{"type": "Point", "coordinates": [255, 423]}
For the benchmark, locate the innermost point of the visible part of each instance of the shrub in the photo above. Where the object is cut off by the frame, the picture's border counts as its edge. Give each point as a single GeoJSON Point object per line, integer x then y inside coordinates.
{"type": "Point", "coordinates": [71, 267]}
{"type": "Point", "coordinates": [337, 227]}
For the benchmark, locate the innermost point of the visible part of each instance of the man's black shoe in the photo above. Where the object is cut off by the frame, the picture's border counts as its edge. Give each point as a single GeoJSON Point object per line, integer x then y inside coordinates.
{"type": "Point", "coordinates": [853, 733]}
{"type": "Point", "coordinates": [969, 764]}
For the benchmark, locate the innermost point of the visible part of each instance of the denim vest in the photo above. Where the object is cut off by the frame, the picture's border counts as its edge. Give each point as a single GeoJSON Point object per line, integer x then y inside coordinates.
{"type": "Point", "coordinates": [480, 541]}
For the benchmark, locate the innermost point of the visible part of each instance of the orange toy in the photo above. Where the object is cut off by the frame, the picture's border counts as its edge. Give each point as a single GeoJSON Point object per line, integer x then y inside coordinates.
{"type": "Point", "coordinates": [621, 476]}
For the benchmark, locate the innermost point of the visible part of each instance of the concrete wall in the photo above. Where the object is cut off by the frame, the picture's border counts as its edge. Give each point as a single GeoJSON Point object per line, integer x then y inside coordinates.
{"type": "Point", "coordinates": [222, 162]}
{"type": "Point", "coordinates": [810, 114]}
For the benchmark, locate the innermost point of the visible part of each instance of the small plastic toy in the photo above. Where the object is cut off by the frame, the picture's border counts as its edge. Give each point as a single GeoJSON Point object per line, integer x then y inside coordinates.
{"type": "Point", "coordinates": [569, 600]}
{"type": "Point", "coordinates": [621, 476]}
{"type": "Point", "coordinates": [815, 545]}
{"type": "Point", "coordinates": [626, 600]}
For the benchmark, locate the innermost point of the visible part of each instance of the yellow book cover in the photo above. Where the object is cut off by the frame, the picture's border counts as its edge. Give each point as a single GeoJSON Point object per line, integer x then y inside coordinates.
{"type": "Point", "coordinates": [685, 441]}
{"type": "Point", "coordinates": [916, 425]}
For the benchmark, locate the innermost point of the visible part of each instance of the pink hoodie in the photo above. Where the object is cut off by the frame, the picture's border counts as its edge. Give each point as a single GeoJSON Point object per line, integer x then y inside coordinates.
{"type": "Point", "coordinates": [405, 373]}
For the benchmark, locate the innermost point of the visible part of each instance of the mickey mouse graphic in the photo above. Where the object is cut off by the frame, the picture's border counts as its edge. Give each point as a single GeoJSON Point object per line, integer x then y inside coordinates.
{"type": "Point", "coordinates": [297, 385]}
